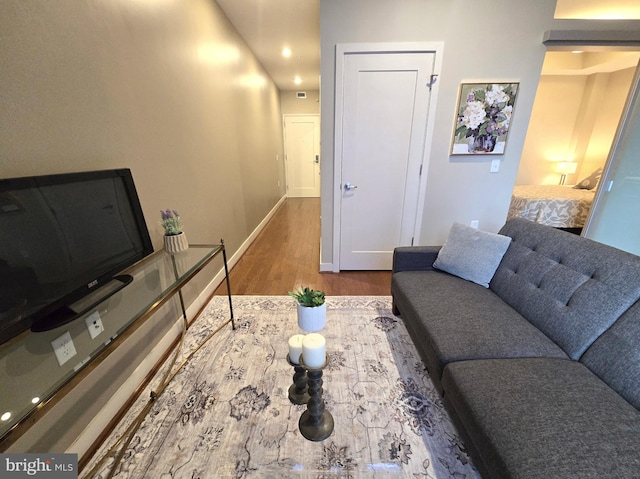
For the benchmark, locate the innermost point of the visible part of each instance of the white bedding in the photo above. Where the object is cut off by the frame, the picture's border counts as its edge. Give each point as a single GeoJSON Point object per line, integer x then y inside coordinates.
{"type": "Point", "coordinates": [559, 206]}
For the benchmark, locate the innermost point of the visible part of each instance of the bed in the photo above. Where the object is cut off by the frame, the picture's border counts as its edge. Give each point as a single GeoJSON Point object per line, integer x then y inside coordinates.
{"type": "Point", "coordinates": [559, 206]}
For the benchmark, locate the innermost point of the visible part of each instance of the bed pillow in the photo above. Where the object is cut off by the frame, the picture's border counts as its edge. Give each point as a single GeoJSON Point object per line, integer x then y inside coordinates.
{"type": "Point", "coordinates": [590, 181]}
{"type": "Point", "coordinates": [472, 254]}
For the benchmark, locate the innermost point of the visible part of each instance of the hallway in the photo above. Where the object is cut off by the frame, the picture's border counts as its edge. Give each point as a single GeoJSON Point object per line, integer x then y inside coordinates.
{"type": "Point", "coordinates": [286, 255]}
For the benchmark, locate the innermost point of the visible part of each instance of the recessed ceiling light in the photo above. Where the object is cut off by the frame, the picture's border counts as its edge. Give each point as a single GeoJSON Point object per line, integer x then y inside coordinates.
{"type": "Point", "coordinates": [298, 80]}
{"type": "Point", "coordinates": [6, 416]}
{"type": "Point", "coordinates": [286, 52]}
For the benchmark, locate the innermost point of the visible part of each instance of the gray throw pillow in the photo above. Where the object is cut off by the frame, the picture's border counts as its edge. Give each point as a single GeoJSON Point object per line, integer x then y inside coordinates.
{"type": "Point", "coordinates": [590, 181]}
{"type": "Point", "coordinates": [472, 254]}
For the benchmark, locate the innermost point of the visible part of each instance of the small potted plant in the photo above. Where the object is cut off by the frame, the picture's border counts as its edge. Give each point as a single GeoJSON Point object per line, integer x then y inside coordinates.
{"type": "Point", "coordinates": [312, 309]}
{"type": "Point", "coordinates": [175, 241]}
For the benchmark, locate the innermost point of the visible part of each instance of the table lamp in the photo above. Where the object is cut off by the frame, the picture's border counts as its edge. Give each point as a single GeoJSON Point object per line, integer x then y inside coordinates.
{"type": "Point", "coordinates": [566, 168]}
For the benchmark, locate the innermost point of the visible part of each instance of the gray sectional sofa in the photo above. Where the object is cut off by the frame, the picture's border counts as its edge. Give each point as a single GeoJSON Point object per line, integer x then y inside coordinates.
{"type": "Point", "coordinates": [541, 370]}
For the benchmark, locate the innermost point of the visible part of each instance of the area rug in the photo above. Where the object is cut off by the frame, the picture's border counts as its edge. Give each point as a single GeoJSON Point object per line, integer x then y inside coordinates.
{"type": "Point", "coordinates": [226, 414]}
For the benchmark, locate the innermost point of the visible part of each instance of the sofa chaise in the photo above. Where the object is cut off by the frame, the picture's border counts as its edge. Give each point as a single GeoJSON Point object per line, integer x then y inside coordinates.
{"type": "Point", "coordinates": [539, 368]}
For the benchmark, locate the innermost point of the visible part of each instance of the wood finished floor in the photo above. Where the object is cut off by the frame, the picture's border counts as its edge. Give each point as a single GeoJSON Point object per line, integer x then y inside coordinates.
{"type": "Point", "coordinates": [286, 255]}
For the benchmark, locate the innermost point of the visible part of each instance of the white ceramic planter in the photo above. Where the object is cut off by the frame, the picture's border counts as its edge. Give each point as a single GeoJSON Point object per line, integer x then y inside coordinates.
{"type": "Point", "coordinates": [312, 319]}
{"type": "Point", "coordinates": [176, 243]}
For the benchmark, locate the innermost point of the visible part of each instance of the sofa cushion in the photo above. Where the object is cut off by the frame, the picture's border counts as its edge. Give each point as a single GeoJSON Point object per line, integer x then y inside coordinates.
{"type": "Point", "coordinates": [450, 319]}
{"type": "Point", "coordinates": [542, 418]}
{"type": "Point", "coordinates": [569, 287]}
{"type": "Point", "coordinates": [414, 258]}
{"type": "Point", "coordinates": [615, 356]}
{"type": "Point", "coordinates": [471, 254]}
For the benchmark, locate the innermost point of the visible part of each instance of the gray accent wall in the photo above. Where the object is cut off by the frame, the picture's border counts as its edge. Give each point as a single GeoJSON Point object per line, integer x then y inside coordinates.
{"type": "Point", "coordinates": [166, 88]}
{"type": "Point", "coordinates": [292, 105]}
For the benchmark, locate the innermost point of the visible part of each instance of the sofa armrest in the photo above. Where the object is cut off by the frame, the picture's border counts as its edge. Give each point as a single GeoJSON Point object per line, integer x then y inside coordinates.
{"type": "Point", "coordinates": [414, 258]}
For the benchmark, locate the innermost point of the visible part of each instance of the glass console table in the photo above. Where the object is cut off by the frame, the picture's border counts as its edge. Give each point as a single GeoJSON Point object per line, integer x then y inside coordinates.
{"type": "Point", "coordinates": [32, 376]}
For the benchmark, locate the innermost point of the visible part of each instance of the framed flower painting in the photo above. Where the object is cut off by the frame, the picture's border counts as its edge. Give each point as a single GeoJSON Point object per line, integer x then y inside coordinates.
{"type": "Point", "coordinates": [483, 118]}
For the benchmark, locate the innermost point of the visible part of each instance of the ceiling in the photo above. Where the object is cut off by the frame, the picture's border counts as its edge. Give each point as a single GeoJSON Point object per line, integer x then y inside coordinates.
{"type": "Point", "coordinates": [588, 63]}
{"type": "Point", "coordinates": [268, 26]}
{"type": "Point", "coordinates": [598, 9]}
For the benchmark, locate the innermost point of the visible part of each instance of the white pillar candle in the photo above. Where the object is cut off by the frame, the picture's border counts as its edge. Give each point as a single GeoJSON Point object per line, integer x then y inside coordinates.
{"type": "Point", "coordinates": [295, 348]}
{"type": "Point", "coordinates": [314, 350]}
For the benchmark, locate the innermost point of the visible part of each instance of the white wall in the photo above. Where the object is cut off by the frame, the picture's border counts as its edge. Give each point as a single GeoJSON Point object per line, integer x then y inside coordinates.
{"type": "Point", "coordinates": [605, 124]}
{"type": "Point", "coordinates": [501, 41]}
{"type": "Point", "coordinates": [551, 128]}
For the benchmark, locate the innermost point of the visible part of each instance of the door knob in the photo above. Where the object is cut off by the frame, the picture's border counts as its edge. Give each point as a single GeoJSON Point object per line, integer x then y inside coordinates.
{"type": "Point", "coordinates": [349, 186]}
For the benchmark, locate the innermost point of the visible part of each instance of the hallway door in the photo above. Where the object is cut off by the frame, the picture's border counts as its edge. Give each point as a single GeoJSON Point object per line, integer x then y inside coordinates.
{"type": "Point", "coordinates": [302, 153]}
{"type": "Point", "coordinates": [383, 115]}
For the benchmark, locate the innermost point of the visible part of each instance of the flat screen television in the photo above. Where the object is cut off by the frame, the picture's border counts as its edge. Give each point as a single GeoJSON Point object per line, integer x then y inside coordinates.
{"type": "Point", "coordinates": [64, 239]}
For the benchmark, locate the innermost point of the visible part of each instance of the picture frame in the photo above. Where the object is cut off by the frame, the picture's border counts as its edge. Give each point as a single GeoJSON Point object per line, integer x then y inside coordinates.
{"type": "Point", "coordinates": [483, 118]}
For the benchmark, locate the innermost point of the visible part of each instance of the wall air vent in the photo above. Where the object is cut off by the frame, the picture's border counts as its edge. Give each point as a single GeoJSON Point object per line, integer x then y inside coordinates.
{"type": "Point", "coordinates": [301, 94]}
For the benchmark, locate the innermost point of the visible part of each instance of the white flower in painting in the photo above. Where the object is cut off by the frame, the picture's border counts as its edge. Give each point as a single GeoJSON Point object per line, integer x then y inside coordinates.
{"type": "Point", "coordinates": [474, 114]}
{"type": "Point", "coordinates": [507, 111]}
{"type": "Point", "coordinates": [496, 95]}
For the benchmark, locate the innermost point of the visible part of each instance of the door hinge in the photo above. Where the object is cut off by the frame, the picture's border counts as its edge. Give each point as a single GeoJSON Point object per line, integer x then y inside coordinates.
{"type": "Point", "coordinates": [432, 80]}
{"type": "Point", "coordinates": [420, 173]}
{"type": "Point", "coordinates": [411, 241]}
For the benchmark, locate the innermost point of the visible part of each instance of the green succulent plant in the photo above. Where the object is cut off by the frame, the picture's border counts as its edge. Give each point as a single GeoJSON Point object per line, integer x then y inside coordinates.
{"type": "Point", "coordinates": [308, 297]}
{"type": "Point", "coordinates": [171, 222]}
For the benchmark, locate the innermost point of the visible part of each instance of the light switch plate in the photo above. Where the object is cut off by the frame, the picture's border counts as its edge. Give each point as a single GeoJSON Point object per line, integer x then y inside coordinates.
{"type": "Point", "coordinates": [495, 166]}
{"type": "Point", "coordinates": [94, 324]}
{"type": "Point", "coordinates": [64, 348]}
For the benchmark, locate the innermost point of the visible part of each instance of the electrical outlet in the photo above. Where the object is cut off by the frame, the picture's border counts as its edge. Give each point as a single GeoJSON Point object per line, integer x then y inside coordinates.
{"type": "Point", "coordinates": [495, 166]}
{"type": "Point", "coordinates": [64, 348]}
{"type": "Point", "coordinates": [94, 324]}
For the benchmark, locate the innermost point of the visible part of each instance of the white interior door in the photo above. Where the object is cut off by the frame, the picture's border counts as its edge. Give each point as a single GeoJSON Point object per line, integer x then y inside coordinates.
{"type": "Point", "coordinates": [383, 112]}
{"type": "Point", "coordinates": [302, 150]}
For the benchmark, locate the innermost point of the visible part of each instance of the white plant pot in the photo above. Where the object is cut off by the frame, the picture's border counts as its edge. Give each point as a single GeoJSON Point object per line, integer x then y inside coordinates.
{"type": "Point", "coordinates": [312, 319]}
{"type": "Point", "coordinates": [176, 243]}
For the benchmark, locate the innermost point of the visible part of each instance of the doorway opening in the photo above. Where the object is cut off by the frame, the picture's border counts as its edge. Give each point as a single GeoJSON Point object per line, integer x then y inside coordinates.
{"type": "Point", "coordinates": [578, 107]}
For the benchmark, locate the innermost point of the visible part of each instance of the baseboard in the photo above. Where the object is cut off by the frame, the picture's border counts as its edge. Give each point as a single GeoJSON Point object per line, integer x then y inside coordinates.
{"type": "Point", "coordinates": [86, 440]}
{"type": "Point", "coordinates": [217, 280]}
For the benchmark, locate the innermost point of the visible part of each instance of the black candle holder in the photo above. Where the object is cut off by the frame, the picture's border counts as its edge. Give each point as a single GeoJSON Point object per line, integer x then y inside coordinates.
{"type": "Point", "coordinates": [316, 423]}
{"type": "Point", "coordinates": [298, 390]}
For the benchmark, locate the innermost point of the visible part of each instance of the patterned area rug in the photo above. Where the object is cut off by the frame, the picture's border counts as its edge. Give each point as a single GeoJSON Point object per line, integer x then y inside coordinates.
{"type": "Point", "coordinates": [226, 414]}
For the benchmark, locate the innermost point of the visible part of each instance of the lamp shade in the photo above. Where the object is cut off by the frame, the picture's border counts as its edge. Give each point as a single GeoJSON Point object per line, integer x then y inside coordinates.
{"type": "Point", "coordinates": [566, 167]}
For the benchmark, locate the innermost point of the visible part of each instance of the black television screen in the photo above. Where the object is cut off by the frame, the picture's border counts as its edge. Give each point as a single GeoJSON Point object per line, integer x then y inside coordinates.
{"type": "Point", "coordinates": [62, 237]}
